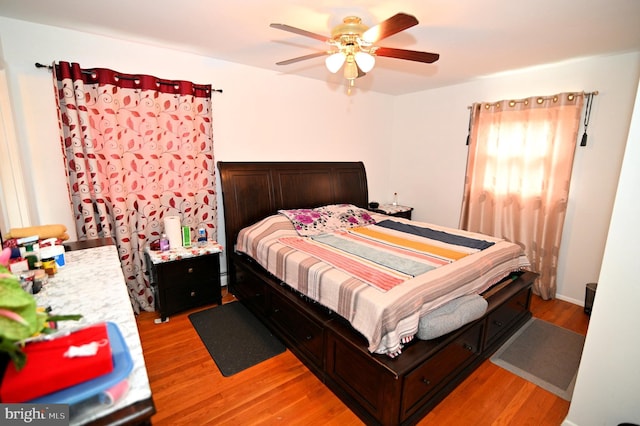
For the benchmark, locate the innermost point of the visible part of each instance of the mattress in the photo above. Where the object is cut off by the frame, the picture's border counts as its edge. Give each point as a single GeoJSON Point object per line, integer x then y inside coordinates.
{"type": "Point", "coordinates": [387, 317]}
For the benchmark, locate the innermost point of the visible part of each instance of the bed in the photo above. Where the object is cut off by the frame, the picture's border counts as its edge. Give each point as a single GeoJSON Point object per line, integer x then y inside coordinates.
{"type": "Point", "coordinates": [386, 377]}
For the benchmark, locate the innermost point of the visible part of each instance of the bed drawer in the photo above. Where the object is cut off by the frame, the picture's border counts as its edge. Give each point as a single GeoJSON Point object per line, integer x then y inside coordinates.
{"type": "Point", "coordinates": [250, 289]}
{"type": "Point", "coordinates": [439, 370]}
{"type": "Point", "coordinates": [506, 315]}
{"type": "Point", "coordinates": [305, 334]}
{"type": "Point", "coordinates": [355, 376]}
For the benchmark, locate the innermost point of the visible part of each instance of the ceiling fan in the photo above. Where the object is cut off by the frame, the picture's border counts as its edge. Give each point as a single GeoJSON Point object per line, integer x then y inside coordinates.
{"type": "Point", "coordinates": [352, 45]}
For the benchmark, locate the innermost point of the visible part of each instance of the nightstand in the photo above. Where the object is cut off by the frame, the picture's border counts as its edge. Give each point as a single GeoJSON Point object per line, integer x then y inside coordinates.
{"type": "Point", "coordinates": [185, 278]}
{"type": "Point", "coordinates": [397, 210]}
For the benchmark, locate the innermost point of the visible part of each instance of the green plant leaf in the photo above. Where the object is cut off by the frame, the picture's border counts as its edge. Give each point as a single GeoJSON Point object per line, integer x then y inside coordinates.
{"type": "Point", "coordinates": [14, 298]}
{"type": "Point", "coordinates": [20, 317]}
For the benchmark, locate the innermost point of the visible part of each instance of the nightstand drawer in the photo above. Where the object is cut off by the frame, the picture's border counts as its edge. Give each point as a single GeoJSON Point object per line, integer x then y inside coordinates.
{"type": "Point", "coordinates": [185, 296]}
{"type": "Point", "coordinates": [190, 269]}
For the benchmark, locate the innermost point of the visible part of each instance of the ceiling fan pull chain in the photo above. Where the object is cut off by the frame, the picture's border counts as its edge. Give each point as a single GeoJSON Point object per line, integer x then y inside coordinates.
{"type": "Point", "coordinates": [350, 85]}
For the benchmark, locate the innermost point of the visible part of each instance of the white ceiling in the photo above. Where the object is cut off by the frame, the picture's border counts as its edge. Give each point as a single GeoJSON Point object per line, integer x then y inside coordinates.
{"type": "Point", "coordinates": [473, 37]}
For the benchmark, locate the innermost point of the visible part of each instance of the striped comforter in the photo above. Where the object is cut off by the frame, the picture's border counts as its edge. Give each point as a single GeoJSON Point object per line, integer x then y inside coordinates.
{"type": "Point", "coordinates": [387, 253]}
{"type": "Point", "coordinates": [383, 291]}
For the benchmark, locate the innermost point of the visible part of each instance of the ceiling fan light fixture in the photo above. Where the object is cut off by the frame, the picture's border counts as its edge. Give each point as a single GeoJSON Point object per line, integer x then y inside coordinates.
{"type": "Point", "coordinates": [365, 61]}
{"type": "Point", "coordinates": [334, 62]}
{"type": "Point", "coordinates": [351, 25]}
{"type": "Point", "coordinates": [371, 35]}
{"type": "Point", "coordinates": [351, 45]}
{"type": "Point", "coordinates": [350, 69]}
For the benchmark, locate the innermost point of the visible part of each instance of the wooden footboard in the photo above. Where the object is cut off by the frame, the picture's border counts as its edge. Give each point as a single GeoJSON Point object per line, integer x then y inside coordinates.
{"type": "Point", "coordinates": [380, 390]}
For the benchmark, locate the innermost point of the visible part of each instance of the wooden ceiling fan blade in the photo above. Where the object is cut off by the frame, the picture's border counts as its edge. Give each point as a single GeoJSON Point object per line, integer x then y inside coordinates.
{"type": "Point", "coordinates": [395, 24]}
{"type": "Point", "coordinates": [302, 58]}
{"type": "Point", "coordinates": [410, 55]}
{"type": "Point", "coordinates": [298, 31]}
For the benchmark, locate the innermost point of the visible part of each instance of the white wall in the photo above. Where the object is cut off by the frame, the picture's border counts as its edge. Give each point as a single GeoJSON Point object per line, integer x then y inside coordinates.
{"type": "Point", "coordinates": [607, 390]}
{"type": "Point", "coordinates": [429, 152]}
{"type": "Point", "coordinates": [261, 115]}
{"type": "Point", "coordinates": [412, 144]}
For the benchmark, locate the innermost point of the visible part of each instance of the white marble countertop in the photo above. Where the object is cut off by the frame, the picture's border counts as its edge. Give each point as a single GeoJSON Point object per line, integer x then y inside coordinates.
{"type": "Point", "coordinates": [92, 285]}
{"type": "Point", "coordinates": [158, 256]}
{"type": "Point", "coordinates": [393, 208]}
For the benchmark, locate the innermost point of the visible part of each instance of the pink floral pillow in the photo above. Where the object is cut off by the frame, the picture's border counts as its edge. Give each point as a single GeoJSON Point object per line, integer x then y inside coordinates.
{"type": "Point", "coordinates": [327, 218]}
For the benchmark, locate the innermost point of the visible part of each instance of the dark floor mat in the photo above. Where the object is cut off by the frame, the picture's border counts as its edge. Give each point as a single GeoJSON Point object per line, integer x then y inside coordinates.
{"type": "Point", "coordinates": [234, 337]}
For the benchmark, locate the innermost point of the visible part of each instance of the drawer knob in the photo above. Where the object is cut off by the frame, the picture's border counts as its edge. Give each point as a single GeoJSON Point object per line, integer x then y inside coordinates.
{"type": "Point", "coordinates": [190, 270]}
{"type": "Point", "coordinates": [309, 337]}
{"type": "Point", "coordinates": [468, 347]}
{"type": "Point", "coordinates": [193, 293]}
{"type": "Point", "coordinates": [426, 381]}
{"type": "Point", "coordinates": [498, 323]}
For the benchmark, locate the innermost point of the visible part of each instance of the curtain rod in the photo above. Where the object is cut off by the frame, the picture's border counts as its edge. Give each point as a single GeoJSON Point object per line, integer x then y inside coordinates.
{"type": "Point", "coordinates": [49, 67]}
{"type": "Point", "coordinates": [540, 99]}
{"type": "Point", "coordinates": [545, 98]}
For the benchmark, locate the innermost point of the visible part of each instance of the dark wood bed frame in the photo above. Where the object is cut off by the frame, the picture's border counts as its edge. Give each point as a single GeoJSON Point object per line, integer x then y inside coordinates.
{"type": "Point", "coordinates": [380, 390]}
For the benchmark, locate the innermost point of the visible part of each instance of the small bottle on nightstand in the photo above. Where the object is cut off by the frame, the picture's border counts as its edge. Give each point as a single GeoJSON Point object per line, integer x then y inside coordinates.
{"type": "Point", "coordinates": [202, 237]}
{"type": "Point", "coordinates": [395, 199]}
{"type": "Point", "coordinates": [164, 243]}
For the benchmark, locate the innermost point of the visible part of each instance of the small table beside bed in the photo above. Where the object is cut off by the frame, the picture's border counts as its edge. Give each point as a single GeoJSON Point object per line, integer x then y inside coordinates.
{"type": "Point", "coordinates": [389, 314]}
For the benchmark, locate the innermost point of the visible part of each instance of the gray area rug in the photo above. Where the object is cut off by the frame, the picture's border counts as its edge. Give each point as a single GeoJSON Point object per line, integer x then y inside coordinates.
{"type": "Point", "coordinates": [234, 337]}
{"type": "Point", "coordinates": [544, 354]}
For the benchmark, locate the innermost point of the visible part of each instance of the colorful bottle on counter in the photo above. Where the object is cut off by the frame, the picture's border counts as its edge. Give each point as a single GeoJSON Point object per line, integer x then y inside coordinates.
{"type": "Point", "coordinates": [186, 236]}
{"type": "Point", "coordinates": [50, 266]}
{"type": "Point", "coordinates": [202, 237]}
{"type": "Point", "coordinates": [164, 243]}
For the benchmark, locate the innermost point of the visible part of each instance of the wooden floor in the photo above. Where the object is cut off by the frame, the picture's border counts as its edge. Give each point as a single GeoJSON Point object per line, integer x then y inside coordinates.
{"type": "Point", "coordinates": [188, 389]}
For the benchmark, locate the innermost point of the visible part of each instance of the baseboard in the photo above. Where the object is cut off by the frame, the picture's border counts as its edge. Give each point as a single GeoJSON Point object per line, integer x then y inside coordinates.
{"type": "Point", "coordinates": [570, 300]}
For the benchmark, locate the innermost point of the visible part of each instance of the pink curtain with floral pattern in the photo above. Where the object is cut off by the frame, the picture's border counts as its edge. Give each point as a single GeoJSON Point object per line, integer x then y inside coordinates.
{"type": "Point", "coordinates": [137, 149]}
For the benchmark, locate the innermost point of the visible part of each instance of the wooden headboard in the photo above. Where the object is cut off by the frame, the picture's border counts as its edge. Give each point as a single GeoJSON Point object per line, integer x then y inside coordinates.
{"type": "Point", "coordinates": [254, 190]}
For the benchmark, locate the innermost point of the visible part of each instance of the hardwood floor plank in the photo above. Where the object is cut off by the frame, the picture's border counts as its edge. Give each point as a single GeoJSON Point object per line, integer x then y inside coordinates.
{"type": "Point", "coordinates": [188, 388]}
